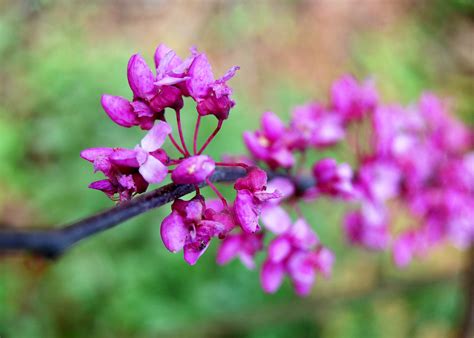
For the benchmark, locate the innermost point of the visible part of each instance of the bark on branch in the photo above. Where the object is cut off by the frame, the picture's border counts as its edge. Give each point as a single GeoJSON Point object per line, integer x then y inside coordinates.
{"type": "Point", "coordinates": [52, 243]}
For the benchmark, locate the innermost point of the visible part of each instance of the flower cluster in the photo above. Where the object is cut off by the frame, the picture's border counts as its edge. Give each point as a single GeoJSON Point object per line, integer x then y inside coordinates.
{"type": "Point", "coordinates": [130, 171]}
{"type": "Point", "coordinates": [420, 156]}
{"type": "Point", "coordinates": [424, 157]}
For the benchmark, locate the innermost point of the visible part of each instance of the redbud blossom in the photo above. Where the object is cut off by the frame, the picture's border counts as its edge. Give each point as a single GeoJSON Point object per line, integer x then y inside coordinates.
{"type": "Point", "coordinates": [193, 170]}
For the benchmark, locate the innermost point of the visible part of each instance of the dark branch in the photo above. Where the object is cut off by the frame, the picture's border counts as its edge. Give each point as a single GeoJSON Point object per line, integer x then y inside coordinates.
{"type": "Point", "coordinates": [52, 243]}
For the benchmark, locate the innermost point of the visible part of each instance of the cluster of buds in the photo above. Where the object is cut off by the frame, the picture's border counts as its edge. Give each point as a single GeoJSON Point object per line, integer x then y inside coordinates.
{"type": "Point", "coordinates": [419, 155]}
{"type": "Point", "coordinates": [130, 171]}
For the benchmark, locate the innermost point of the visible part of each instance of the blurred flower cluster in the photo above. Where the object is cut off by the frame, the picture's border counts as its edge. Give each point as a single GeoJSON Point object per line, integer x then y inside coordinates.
{"type": "Point", "coordinates": [419, 156]}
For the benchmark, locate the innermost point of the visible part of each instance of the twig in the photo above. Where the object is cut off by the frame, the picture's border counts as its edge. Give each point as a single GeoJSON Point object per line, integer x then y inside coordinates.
{"type": "Point", "coordinates": [52, 243]}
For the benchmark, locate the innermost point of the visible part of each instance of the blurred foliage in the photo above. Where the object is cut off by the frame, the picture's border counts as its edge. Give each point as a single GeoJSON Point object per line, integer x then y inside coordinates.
{"type": "Point", "coordinates": [123, 283]}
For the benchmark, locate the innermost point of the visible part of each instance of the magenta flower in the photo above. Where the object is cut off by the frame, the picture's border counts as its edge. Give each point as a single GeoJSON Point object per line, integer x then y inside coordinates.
{"type": "Point", "coordinates": [251, 194]}
{"type": "Point", "coordinates": [420, 156]}
{"type": "Point", "coordinates": [333, 179]}
{"type": "Point", "coordinates": [152, 94]}
{"type": "Point", "coordinates": [298, 254]}
{"type": "Point", "coordinates": [379, 180]}
{"type": "Point", "coordinates": [273, 216]}
{"type": "Point", "coordinates": [130, 171]}
{"type": "Point", "coordinates": [171, 74]}
{"type": "Point", "coordinates": [271, 143]}
{"type": "Point", "coordinates": [353, 100]}
{"type": "Point", "coordinates": [368, 227]}
{"type": "Point", "coordinates": [212, 96]}
{"type": "Point", "coordinates": [150, 156]}
{"type": "Point", "coordinates": [313, 126]}
{"type": "Point", "coordinates": [193, 170]}
{"type": "Point", "coordinates": [190, 229]}
{"type": "Point", "coordinates": [449, 135]}
{"type": "Point", "coordinates": [120, 168]}
{"type": "Point", "coordinates": [404, 249]}
{"type": "Point", "coordinates": [242, 245]}
{"type": "Point", "coordinates": [140, 78]}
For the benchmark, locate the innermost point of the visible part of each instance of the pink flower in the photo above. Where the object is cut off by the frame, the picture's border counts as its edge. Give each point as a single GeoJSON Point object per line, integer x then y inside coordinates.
{"type": "Point", "coordinates": [140, 78]}
{"type": "Point", "coordinates": [449, 134]}
{"type": "Point", "coordinates": [151, 94]}
{"type": "Point", "coordinates": [121, 169]}
{"type": "Point", "coordinates": [298, 254]}
{"type": "Point", "coordinates": [404, 249]}
{"type": "Point", "coordinates": [270, 144]}
{"type": "Point", "coordinates": [151, 167]}
{"type": "Point", "coordinates": [273, 216]}
{"type": "Point", "coordinates": [193, 170]}
{"type": "Point", "coordinates": [129, 171]}
{"type": "Point", "coordinates": [242, 245]}
{"type": "Point", "coordinates": [353, 100]}
{"type": "Point", "coordinates": [212, 96]}
{"type": "Point", "coordinates": [190, 228]}
{"type": "Point", "coordinates": [367, 227]}
{"type": "Point", "coordinates": [333, 179]}
{"type": "Point", "coordinates": [379, 180]}
{"type": "Point", "coordinates": [171, 74]}
{"type": "Point", "coordinates": [313, 126]}
{"type": "Point", "coordinates": [251, 193]}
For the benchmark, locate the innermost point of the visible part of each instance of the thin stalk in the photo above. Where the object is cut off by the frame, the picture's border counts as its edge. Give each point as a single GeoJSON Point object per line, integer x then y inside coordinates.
{"type": "Point", "coordinates": [211, 137]}
{"type": "Point", "coordinates": [196, 132]}
{"type": "Point", "coordinates": [180, 130]}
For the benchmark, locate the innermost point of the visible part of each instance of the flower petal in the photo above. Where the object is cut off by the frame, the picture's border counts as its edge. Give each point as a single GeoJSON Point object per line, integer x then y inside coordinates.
{"type": "Point", "coordinates": [246, 211]}
{"type": "Point", "coordinates": [153, 171]}
{"type": "Point", "coordinates": [155, 138]}
{"type": "Point", "coordinates": [228, 249]}
{"type": "Point", "coordinates": [279, 249]}
{"type": "Point", "coordinates": [119, 110]}
{"type": "Point", "coordinates": [201, 77]}
{"type": "Point", "coordinates": [91, 154]}
{"type": "Point", "coordinates": [272, 126]}
{"type": "Point", "coordinates": [193, 170]}
{"type": "Point", "coordinates": [173, 232]}
{"type": "Point", "coordinates": [124, 157]}
{"type": "Point", "coordinates": [140, 77]}
{"type": "Point", "coordinates": [193, 251]}
{"type": "Point", "coordinates": [275, 219]}
{"type": "Point", "coordinates": [271, 276]}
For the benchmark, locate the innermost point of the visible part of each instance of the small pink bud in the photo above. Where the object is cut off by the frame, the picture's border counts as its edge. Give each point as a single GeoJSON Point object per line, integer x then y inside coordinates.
{"type": "Point", "coordinates": [119, 110]}
{"type": "Point", "coordinates": [140, 78]}
{"type": "Point", "coordinates": [193, 170]}
{"type": "Point", "coordinates": [173, 232]}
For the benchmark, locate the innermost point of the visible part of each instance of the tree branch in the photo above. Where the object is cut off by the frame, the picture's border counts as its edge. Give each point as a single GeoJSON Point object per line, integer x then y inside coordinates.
{"type": "Point", "coordinates": [52, 243]}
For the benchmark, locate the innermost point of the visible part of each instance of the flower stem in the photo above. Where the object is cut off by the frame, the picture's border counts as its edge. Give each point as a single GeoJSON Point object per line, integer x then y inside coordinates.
{"type": "Point", "coordinates": [210, 138]}
{"type": "Point", "coordinates": [218, 193]}
{"type": "Point", "coordinates": [176, 145]}
{"type": "Point", "coordinates": [180, 130]}
{"type": "Point", "coordinates": [196, 132]}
